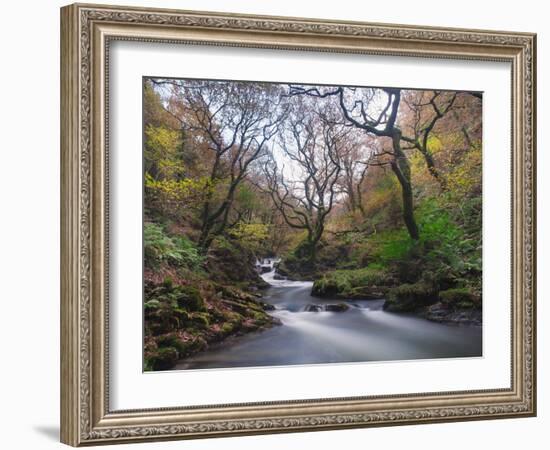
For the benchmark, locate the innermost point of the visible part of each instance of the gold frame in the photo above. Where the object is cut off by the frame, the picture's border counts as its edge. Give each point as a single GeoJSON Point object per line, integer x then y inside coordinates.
{"type": "Point", "coordinates": [86, 31]}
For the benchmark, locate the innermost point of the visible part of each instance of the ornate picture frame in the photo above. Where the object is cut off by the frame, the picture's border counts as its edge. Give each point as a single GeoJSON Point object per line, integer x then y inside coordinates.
{"type": "Point", "coordinates": [86, 34]}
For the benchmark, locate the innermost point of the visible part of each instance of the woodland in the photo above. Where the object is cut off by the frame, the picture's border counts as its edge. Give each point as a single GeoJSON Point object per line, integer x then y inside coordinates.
{"type": "Point", "coordinates": [368, 192]}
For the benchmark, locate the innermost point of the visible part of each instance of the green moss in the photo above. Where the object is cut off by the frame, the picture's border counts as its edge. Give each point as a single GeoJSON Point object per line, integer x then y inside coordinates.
{"type": "Point", "coordinates": [227, 328]}
{"type": "Point", "coordinates": [196, 345]}
{"type": "Point", "coordinates": [259, 315]}
{"type": "Point", "coordinates": [410, 297]}
{"type": "Point", "coordinates": [460, 298]}
{"type": "Point", "coordinates": [358, 283]}
{"type": "Point", "coordinates": [189, 297]}
{"type": "Point", "coordinates": [152, 305]}
{"type": "Point", "coordinates": [202, 320]}
{"type": "Point", "coordinates": [163, 359]}
{"type": "Point", "coordinates": [174, 341]}
{"type": "Point", "coordinates": [182, 315]}
{"type": "Point", "coordinates": [232, 316]}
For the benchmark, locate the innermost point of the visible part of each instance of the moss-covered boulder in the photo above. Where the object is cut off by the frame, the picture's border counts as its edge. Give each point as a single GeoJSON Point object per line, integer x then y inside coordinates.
{"type": "Point", "coordinates": [294, 267]}
{"type": "Point", "coordinates": [163, 359]}
{"type": "Point", "coordinates": [229, 262]}
{"type": "Point", "coordinates": [184, 315]}
{"type": "Point", "coordinates": [366, 283]}
{"type": "Point", "coordinates": [460, 298]}
{"type": "Point", "coordinates": [189, 298]}
{"type": "Point", "coordinates": [200, 320]}
{"type": "Point", "coordinates": [337, 307]}
{"type": "Point", "coordinates": [168, 306]}
{"type": "Point", "coordinates": [331, 255]}
{"type": "Point", "coordinates": [410, 297]}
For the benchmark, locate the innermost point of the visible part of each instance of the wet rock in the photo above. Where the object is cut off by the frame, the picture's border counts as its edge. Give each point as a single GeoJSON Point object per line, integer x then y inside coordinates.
{"type": "Point", "coordinates": [337, 307]}
{"type": "Point", "coordinates": [440, 312]}
{"type": "Point", "coordinates": [410, 297]}
{"type": "Point", "coordinates": [313, 308]}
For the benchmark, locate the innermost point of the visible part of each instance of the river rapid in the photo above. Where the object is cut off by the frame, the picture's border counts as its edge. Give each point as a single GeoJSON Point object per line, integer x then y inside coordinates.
{"type": "Point", "coordinates": [365, 332]}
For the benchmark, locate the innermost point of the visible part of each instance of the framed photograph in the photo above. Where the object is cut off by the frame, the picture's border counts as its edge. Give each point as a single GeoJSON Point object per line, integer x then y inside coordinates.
{"type": "Point", "coordinates": [275, 224]}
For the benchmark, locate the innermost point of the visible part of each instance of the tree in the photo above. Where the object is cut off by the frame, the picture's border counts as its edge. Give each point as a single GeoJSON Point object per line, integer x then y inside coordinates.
{"type": "Point", "coordinates": [359, 154]}
{"type": "Point", "coordinates": [304, 192]}
{"type": "Point", "coordinates": [375, 111]}
{"type": "Point", "coordinates": [428, 108]}
{"type": "Point", "coordinates": [235, 120]}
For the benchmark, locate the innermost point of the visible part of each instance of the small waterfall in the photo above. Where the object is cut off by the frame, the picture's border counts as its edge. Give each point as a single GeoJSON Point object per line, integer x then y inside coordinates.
{"type": "Point", "coordinates": [275, 280]}
{"type": "Point", "coordinates": [265, 265]}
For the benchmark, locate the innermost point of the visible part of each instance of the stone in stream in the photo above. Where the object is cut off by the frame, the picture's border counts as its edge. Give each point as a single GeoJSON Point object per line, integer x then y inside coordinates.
{"type": "Point", "coordinates": [332, 307]}
{"type": "Point", "coordinates": [313, 308]}
{"type": "Point", "coordinates": [337, 307]}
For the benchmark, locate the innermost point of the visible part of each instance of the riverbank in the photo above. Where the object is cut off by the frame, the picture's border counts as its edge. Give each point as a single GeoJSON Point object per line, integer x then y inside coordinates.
{"type": "Point", "coordinates": [182, 320]}
{"type": "Point", "coordinates": [361, 332]}
{"type": "Point", "coordinates": [425, 297]}
{"type": "Point", "coordinates": [194, 301]}
{"type": "Point", "coordinates": [225, 326]}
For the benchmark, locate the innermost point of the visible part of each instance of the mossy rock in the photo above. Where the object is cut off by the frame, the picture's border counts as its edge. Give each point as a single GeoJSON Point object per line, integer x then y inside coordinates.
{"type": "Point", "coordinates": [189, 297]}
{"type": "Point", "coordinates": [163, 359]}
{"type": "Point", "coordinates": [196, 345]}
{"type": "Point", "coordinates": [164, 319]}
{"type": "Point", "coordinates": [182, 315]}
{"type": "Point", "coordinates": [365, 283]}
{"type": "Point", "coordinates": [174, 341]}
{"type": "Point", "coordinates": [337, 307]}
{"type": "Point", "coordinates": [296, 267]}
{"type": "Point", "coordinates": [367, 292]}
{"type": "Point", "coordinates": [326, 287]}
{"type": "Point", "coordinates": [460, 298]}
{"type": "Point", "coordinates": [202, 320]}
{"type": "Point", "coordinates": [259, 315]}
{"type": "Point", "coordinates": [410, 297]}
{"type": "Point", "coordinates": [230, 262]}
{"type": "Point", "coordinates": [330, 255]}
{"type": "Point", "coordinates": [227, 328]}
{"type": "Point", "coordinates": [232, 316]}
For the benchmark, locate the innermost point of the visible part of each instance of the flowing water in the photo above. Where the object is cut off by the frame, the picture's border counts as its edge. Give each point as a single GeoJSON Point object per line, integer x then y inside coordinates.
{"type": "Point", "coordinates": [365, 332]}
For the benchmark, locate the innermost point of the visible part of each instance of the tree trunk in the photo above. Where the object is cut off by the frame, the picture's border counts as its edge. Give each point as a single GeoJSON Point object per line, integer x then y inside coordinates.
{"type": "Point", "coordinates": [430, 164]}
{"type": "Point", "coordinates": [401, 168]}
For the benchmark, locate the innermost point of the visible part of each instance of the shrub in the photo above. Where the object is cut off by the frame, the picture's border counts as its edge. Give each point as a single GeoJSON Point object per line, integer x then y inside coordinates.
{"type": "Point", "coordinates": [159, 247]}
{"type": "Point", "coordinates": [152, 305]}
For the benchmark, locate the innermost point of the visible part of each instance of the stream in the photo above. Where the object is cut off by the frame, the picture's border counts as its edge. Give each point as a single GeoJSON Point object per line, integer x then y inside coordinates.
{"type": "Point", "coordinates": [365, 332]}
